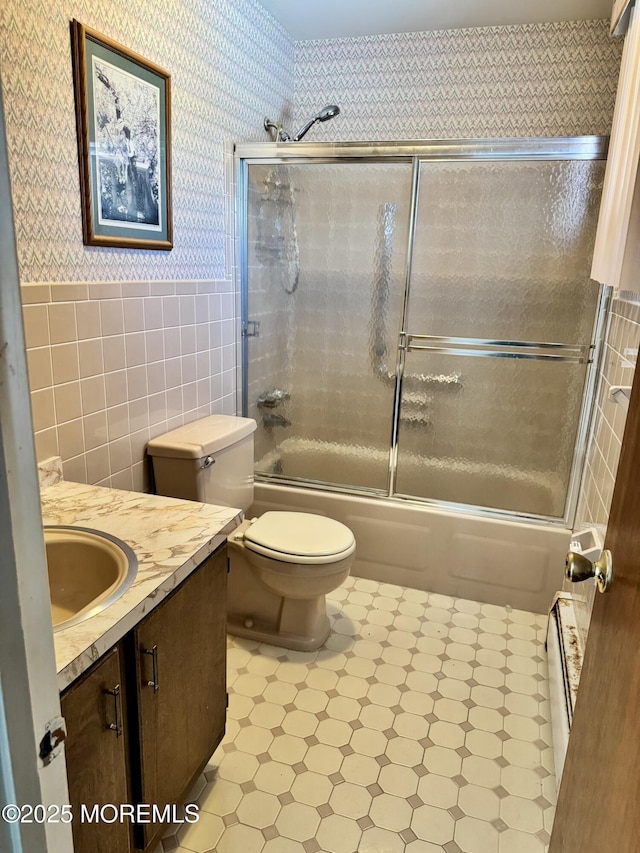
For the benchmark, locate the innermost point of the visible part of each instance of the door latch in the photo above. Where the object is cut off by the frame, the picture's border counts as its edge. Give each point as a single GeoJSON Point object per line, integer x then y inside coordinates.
{"type": "Point", "coordinates": [51, 744]}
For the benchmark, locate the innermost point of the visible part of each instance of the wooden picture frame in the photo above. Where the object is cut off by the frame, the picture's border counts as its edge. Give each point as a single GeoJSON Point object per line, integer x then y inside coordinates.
{"type": "Point", "coordinates": [123, 116]}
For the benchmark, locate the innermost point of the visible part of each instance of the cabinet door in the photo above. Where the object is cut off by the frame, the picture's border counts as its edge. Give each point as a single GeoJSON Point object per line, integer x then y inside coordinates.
{"type": "Point", "coordinates": [181, 685]}
{"type": "Point", "coordinates": [96, 755]}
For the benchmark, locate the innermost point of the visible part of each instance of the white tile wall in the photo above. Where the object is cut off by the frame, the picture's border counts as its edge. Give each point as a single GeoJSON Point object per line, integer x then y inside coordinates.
{"type": "Point", "coordinates": [617, 368]}
{"type": "Point", "coordinates": [112, 365]}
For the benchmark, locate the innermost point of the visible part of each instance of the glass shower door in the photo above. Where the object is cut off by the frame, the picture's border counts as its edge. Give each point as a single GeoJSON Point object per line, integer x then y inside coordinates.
{"type": "Point", "coordinates": [499, 325]}
{"type": "Point", "coordinates": [326, 269]}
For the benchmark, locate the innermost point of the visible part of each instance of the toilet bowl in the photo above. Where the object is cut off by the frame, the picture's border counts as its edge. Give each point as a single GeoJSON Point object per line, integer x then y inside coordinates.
{"type": "Point", "coordinates": [283, 564]}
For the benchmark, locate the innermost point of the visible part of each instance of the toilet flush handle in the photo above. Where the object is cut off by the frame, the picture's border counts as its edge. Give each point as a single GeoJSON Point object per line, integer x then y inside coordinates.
{"type": "Point", "coordinates": [207, 462]}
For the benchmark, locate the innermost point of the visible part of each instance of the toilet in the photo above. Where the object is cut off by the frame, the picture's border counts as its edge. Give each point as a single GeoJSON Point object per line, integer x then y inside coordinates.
{"type": "Point", "coordinates": [283, 564]}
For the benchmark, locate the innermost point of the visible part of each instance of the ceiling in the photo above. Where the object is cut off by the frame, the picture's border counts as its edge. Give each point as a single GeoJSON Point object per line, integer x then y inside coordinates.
{"type": "Point", "coordinates": [320, 19]}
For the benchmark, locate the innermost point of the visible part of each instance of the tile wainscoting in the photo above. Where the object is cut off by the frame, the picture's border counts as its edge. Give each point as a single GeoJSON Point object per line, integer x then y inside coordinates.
{"type": "Point", "coordinates": [617, 367]}
{"type": "Point", "coordinates": [112, 365]}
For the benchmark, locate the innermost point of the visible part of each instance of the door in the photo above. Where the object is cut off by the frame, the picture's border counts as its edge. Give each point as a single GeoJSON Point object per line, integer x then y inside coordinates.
{"type": "Point", "coordinates": [598, 806]}
{"type": "Point", "coordinates": [96, 755]}
{"type": "Point", "coordinates": [326, 256]}
{"type": "Point", "coordinates": [28, 692]}
{"type": "Point", "coordinates": [181, 660]}
{"type": "Point", "coordinates": [498, 327]}
{"type": "Point", "coordinates": [417, 298]}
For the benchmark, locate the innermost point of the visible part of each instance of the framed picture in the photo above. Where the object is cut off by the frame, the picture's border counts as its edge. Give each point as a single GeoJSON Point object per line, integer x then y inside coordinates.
{"type": "Point", "coordinates": [123, 114]}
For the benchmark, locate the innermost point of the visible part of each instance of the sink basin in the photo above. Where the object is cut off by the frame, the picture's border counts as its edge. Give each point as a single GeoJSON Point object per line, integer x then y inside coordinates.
{"type": "Point", "coordinates": [88, 571]}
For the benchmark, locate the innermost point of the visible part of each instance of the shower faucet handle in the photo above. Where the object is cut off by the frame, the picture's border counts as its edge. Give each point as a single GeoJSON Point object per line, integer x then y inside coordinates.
{"type": "Point", "coordinates": [272, 419]}
{"type": "Point", "coordinates": [271, 399]}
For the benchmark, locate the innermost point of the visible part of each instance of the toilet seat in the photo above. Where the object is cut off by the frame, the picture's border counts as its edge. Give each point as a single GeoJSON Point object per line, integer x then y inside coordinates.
{"type": "Point", "coordinates": [299, 537]}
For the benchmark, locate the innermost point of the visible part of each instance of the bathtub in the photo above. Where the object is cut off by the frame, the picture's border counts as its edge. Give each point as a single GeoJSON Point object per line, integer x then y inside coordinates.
{"type": "Point", "coordinates": [450, 480]}
{"type": "Point", "coordinates": [491, 560]}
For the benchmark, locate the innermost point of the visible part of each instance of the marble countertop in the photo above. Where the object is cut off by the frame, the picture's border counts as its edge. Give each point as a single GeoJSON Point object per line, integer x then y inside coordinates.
{"type": "Point", "coordinates": [169, 537]}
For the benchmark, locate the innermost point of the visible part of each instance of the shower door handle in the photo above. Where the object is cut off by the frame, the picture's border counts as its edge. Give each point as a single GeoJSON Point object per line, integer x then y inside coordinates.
{"type": "Point", "coordinates": [578, 568]}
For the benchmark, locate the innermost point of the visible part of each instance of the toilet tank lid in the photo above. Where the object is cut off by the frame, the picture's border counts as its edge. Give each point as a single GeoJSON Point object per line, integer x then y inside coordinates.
{"type": "Point", "coordinates": [202, 437]}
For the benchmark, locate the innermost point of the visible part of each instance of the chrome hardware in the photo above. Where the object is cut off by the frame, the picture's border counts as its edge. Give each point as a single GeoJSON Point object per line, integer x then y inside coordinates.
{"type": "Point", "coordinates": [325, 114]}
{"type": "Point", "coordinates": [489, 348]}
{"type": "Point", "coordinates": [271, 399]}
{"type": "Point", "coordinates": [273, 419]}
{"type": "Point", "coordinates": [117, 710]}
{"type": "Point", "coordinates": [550, 148]}
{"type": "Point", "coordinates": [207, 462]}
{"type": "Point", "coordinates": [281, 135]}
{"type": "Point", "coordinates": [378, 346]}
{"type": "Point", "coordinates": [452, 380]}
{"type": "Point", "coordinates": [153, 652]}
{"type": "Point", "coordinates": [578, 568]}
{"type": "Point", "coordinates": [255, 329]}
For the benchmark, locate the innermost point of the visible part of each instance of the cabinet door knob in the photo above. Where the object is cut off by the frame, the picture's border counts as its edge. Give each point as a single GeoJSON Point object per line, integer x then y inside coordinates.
{"type": "Point", "coordinates": [116, 726]}
{"type": "Point", "coordinates": [153, 652]}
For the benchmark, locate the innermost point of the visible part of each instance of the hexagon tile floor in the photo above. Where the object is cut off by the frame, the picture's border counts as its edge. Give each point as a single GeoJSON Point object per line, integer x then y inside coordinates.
{"type": "Point", "coordinates": [422, 726]}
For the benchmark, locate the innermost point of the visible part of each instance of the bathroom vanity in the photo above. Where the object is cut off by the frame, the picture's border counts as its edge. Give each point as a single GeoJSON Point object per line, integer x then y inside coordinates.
{"type": "Point", "coordinates": [143, 684]}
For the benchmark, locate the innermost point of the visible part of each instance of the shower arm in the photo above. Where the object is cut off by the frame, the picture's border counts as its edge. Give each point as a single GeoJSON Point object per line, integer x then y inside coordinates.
{"type": "Point", "coordinates": [281, 135]}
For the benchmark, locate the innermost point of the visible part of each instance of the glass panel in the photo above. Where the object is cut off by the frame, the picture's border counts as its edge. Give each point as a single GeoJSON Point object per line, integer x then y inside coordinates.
{"type": "Point", "coordinates": [327, 247]}
{"type": "Point", "coordinates": [503, 250]}
{"type": "Point", "coordinates": [494, 432]}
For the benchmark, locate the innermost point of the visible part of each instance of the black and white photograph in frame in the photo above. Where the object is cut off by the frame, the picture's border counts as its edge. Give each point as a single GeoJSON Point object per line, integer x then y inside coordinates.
{"type": "Point", "coordinates": [123, 114]}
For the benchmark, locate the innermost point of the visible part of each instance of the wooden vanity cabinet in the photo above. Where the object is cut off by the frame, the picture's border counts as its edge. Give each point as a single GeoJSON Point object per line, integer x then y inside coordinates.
{"type": "Point", "coordinates": [180, 695]}
{"type": "Point", "coordinates": [143, 722]}
{"type": "Point", "coordinates": [96, 754]}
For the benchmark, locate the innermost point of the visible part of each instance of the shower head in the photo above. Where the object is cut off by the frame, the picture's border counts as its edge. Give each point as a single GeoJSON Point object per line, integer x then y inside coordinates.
{"type": "Point", "coordinates": [330, 111]}
{"type": "Point", "coordinates": [325, 114]}
{"type": "Point", "coordinates": [281, 135]}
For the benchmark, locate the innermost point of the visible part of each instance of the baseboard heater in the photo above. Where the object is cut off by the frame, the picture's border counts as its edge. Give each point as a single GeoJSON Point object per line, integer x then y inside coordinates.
{"type": "Point", "coordinates": [565, 655]}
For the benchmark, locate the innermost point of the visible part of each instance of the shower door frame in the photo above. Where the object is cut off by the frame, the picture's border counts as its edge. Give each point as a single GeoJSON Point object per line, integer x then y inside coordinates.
{"type": "Point", "coordinates": [415, 153]}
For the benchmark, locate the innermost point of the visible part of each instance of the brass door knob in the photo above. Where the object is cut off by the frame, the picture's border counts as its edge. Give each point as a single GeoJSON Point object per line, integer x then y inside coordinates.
{"type": "Point", "coordinates": [578, 568]}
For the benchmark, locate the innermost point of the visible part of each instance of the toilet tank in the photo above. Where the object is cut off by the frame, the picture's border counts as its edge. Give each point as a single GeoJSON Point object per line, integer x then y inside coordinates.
{"type": "Point", "coordinates": [209, 460]}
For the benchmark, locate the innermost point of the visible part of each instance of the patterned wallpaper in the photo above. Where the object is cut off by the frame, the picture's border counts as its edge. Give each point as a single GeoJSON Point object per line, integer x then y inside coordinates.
{"type": "Point", "coordinates": [109, 369]}
{"type": "Point", "coordinates": [534, 80]}
{"type": "Point", "coordinates": [122, 344]}
{"type": "Point", "coordinates": [231, 64]}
